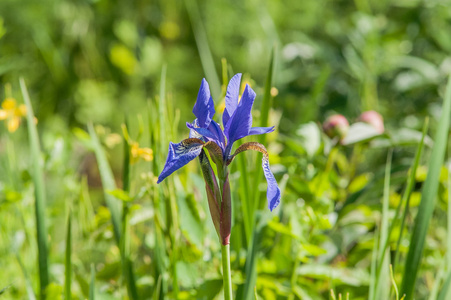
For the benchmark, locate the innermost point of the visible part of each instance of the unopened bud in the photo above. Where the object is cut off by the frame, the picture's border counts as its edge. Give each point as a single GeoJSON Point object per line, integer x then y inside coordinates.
{"type": "Point", "coordinates": [374, 119]}
{"type": "Point", "coordinates": [336, 126]}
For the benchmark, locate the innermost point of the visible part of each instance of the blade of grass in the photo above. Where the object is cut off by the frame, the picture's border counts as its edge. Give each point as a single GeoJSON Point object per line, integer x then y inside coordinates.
{"type": "Point", "coordinates": [393, 282]}
{"type": "Point", "coordinates": [264, 111]}
{"type": "Point", "coordinates": [372, 288]}
{"type": "Point", "coordinates": [406, 196]}
{"type": "Point", "coordinates": [165, 109]}
{"type": "Point", "coordinates": [28, 286]}
{"type": "Point", "coordinates": [445, 288]}
{"type": "Point", "coordinates": [162, 112]}
{"type": "Point", "coordinates": [206, 58]}
{"type": "Point", "coordinates": [92, 286]}
{"type": "Point", "coordinates": [428, 199]}
{"type": "Point", "coordinates": [127, 265]}
{"type": "Point", "coordinates": [251, 260]}
{"type": "Point", "coordinates": [448, 242]}
{"type": "Point", "coordinates": [39, 187]}
{"type": "Point", "coordinates": [67, 261]}
{"type": "Point", "coordinates": [382, 292]}
{"type": "Point", "coordinates": [108, 183]}
{"type": "Point", "coordinates": [250, 268]}
{"type": "Point", "coordinates": [438, 278]}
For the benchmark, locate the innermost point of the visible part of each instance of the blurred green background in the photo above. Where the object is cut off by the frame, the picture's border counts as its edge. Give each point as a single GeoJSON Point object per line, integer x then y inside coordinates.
{"type": "Point", "coordinates": [102, 61]}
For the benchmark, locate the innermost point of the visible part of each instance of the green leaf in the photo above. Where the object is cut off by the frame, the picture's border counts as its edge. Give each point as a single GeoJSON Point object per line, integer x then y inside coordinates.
{"type": "Point", "coordinates": [408, 191]}
{"type": "Point", "coordinates": [190, 223]}
{"type": "Point", "coordinates": [40, 195]}
{"type": "Point", "coordinates": [120, 194]}
{"type": "Point", "coordinates": [360, 132]}
{"type": "Point", "coordinates": [68, 261]}
{"type": "Point", "coordinates": [92, 286]}
{"type": "Point", "coordinates": [310, 137]}
{"type": "Point", "coordinates": [3, 290]}
{"type": "Point", "coordinates": [445, 288]}
{"type": "Point", "coordinates": [206, 57]}
{"type": "Point", "coordinates": [108, 183]}
{"type": "Point", "coordinates": [428, 199]}
{"type": "Point", "coordinates": [348, 276]}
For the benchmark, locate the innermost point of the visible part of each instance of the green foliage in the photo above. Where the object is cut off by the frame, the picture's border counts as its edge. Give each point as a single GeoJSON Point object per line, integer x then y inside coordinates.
{"type": "Point", "coordinates": [428, 197]}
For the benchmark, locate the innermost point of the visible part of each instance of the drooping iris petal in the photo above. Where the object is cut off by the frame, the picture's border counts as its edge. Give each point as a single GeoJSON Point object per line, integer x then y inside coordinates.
{"type": "Point", "coordinates": [179, 155]}
{"type": "Point", "coordinates": [260, 130]}
{"type": "Point", "coordinates": [204, 109]}
{"type": "Point", "coordinates": [231, 98]}
{"type": "Point", "coordinates": [273, 191]}
{"type": "Point", "coordinates": [240, 122]}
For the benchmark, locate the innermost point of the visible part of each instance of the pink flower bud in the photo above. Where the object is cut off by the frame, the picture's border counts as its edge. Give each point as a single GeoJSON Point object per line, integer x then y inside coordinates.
{"type": "Point", "coordinates": [374, 119]}
{"type": "Point", "coordinates": [336, 126]}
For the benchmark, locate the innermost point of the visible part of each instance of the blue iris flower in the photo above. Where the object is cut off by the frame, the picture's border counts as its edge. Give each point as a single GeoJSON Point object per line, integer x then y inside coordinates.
{"type": "Point", "coordinates": [205, 132]}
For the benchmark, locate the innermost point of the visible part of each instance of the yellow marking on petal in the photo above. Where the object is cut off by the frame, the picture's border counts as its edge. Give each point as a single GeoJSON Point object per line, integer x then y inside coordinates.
{"type": "Point", "coordinates": [221, 107]}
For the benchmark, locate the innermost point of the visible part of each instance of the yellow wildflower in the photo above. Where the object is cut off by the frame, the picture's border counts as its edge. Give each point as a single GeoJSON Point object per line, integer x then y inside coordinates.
{"type": "Point", "coordinates": [137, 153]}
{"type": "Point", "coordinates": [12, 113]}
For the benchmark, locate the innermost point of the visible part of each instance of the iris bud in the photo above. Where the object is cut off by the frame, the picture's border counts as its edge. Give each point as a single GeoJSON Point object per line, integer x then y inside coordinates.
{"type": "Point", "coordinates": [374, 119]}
{"type": "Point", "coordinates": [336, 126]}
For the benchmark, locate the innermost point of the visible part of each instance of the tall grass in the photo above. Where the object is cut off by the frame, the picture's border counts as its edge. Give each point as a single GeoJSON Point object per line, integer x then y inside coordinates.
{"type": "Point", "coordinates": [428, 199]}
{"type": "Point", "coordinates": [68, 259]}
{"type": "Point", "coordinates": [40, 195]}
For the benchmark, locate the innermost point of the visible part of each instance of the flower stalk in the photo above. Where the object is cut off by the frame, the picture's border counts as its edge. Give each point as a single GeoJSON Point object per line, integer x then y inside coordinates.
{"type": "Point", "coordinates": [226, 273]}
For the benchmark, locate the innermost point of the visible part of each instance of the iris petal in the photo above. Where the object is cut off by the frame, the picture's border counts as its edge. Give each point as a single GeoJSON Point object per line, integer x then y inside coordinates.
{"type": "Point", "coordinates": [179, 155]}
{"type": "Point", "coordinates": [240, 123]}
{"type": "Point", "coordinates": [204, 109]}
{"type": "Point", "coordinates": [231, 98]}
{"type": "Point", "coordinates": [260, 130]}
{"type": "Point", "coordinates": [273, 191]}
{"type": "Point", "coordinates": [216, 129]}
{"type": "Point", "coordinates": [202, 132]}
{"type": "Point", "coordinates": [213, 133]}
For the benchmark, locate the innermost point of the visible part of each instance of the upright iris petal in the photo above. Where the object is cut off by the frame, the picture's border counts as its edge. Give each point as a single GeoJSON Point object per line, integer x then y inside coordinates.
{"type": "Point", "coordinates": [231, 98]}
{"type": "Point", "coordinates": [240, 122]}
{"type": "Point", "coordinates": [204, 109]}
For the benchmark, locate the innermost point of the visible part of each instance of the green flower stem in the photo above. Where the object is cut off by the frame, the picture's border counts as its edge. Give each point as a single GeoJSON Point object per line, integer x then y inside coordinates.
{"type": "Point", "coordinates": [226, 274]}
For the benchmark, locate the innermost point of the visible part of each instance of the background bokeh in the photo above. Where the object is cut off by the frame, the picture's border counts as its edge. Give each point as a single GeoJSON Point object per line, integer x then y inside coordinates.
{"type": "Point", "coordinates": [101, 61]}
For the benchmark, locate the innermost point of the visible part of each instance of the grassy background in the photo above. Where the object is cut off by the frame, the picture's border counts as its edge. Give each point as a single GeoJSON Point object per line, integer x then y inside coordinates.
{"type": "Point", "coordinates": [91, 66]}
